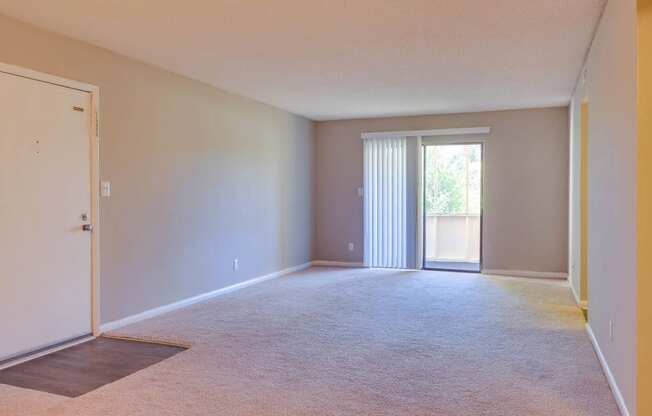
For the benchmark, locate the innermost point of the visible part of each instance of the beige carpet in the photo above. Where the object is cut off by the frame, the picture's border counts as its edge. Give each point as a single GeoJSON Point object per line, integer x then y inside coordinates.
{"type": "Point", "coordinates": [365, 342]}
{"type": "Point", "coordinates": [15, 401]}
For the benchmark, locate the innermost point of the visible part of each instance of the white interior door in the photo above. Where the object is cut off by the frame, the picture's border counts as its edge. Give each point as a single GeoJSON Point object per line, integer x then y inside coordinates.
{"type": "Point", "coordinates": [45, 191]}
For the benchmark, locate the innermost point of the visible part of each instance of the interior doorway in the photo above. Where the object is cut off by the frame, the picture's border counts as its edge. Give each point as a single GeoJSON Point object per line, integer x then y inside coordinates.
{"type": "Point", "coordinates": [452, 206]}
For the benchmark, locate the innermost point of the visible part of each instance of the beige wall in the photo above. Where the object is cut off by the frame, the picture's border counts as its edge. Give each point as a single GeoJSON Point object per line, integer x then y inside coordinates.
{"type": "Point", "coordinates": [526, 185]}
{"type": "Point", "coordinates": [199, 176]}
{"type": "Point", "coordinates": [610, 89]}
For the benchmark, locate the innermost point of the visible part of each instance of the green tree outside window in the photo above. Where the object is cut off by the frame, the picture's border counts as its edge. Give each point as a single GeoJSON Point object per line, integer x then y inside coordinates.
{"type": "Point", "coordinates": [453, 179]}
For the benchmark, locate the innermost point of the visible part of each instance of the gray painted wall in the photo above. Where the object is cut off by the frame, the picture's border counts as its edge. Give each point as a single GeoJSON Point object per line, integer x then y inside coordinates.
{"type": "Point", "coordinates": [199, 176]}
{"type": "Point", "coordinates": [611, 91]}
{"type": "Point", "coordinates": [526, 185]}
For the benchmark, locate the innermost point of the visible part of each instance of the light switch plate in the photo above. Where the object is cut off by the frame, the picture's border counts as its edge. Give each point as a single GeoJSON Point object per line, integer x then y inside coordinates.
{"type": "Point", "coordinates": [105, 188]}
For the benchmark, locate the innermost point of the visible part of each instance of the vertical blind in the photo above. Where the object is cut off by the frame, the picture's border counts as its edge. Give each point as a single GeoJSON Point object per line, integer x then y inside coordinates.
{"type": "Point", "coordinates": [385, 202]}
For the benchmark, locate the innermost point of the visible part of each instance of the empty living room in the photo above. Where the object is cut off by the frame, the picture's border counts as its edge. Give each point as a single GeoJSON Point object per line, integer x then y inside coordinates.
{"type": "Point", "coordinates": [345, 207]}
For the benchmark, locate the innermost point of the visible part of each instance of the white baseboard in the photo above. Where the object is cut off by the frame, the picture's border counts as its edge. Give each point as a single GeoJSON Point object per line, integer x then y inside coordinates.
{"type": "Point", "coordinates": [110, 326]}
{"type": "Point", "coordinates": [328, 263]}
{"type": "Point", "coordinates": [620, 401]}
{"type": "Point", "coordinates": [527, 273]}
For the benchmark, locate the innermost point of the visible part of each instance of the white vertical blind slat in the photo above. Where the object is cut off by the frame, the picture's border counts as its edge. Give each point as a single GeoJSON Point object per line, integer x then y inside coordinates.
{"type": "Point", "coordinates": [374, 209]}
{"type": "Point", "coordinates": [401, 209]}
{"type": "Point", "coordinates": [379, 203]}
{"type": "Point", "coordinates": [385, 199]}
{"type": "Point", "coordinates": [403, 180]}
{"type": "Point", "coordinates": [365, 212]}
{"type": "Point", "coordinates": [386, 196]}
{"type": "Point", "coordinates": [374, 188]}
{"type": "Point", "coordinates": [395, 219]}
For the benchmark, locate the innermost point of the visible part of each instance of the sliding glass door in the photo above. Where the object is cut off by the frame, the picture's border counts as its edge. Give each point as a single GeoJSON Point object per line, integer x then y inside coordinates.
{"type": "Point", "coordinates": [452, 211]}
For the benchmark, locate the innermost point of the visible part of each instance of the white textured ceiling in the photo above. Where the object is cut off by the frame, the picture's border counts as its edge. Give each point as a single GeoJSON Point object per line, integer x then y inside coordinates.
{"type": "Point", "coordinates": [336, 59]}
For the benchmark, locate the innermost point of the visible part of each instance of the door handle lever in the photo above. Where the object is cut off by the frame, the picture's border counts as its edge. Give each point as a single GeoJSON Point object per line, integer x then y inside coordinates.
{"type": "Point", "coordinates": [87, 227]}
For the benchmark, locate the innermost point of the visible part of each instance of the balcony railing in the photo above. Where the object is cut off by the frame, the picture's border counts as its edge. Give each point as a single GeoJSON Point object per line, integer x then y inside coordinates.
{"type": "Point", "coordinates": [453, 237]}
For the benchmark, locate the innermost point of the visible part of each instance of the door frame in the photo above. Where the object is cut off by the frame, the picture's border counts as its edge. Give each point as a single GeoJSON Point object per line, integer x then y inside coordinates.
{"type": "Point", "coordinates": [449, 141]}
{"type": "Point", "coordinates": [94, 174]}
{"type": "Point", "coordinates": [583, 201]}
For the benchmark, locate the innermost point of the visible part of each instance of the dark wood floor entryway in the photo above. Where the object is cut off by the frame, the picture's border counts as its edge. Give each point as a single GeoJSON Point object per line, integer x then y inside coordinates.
{"type": "Point", "coordinates": [82, 368]}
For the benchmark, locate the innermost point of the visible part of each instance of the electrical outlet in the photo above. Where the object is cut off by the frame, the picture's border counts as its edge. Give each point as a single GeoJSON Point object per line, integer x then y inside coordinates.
{"type": "Point", "coordinates": [611, 330]}
{"type": "Point", "coordinates": [236, 265]}
{"type": "Point", "coordinates": [360, 192]}
{"type": "Point", "coordinates": [351, 247]}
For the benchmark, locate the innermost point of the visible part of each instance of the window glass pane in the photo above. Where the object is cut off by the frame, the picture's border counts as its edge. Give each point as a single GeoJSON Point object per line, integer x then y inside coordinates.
{"type": "Point", "coordinates": [453, 179]}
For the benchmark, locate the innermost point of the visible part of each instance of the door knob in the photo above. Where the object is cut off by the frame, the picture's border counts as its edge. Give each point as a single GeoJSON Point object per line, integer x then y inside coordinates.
{"type": "Point", "coordinates": [87, 227]}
